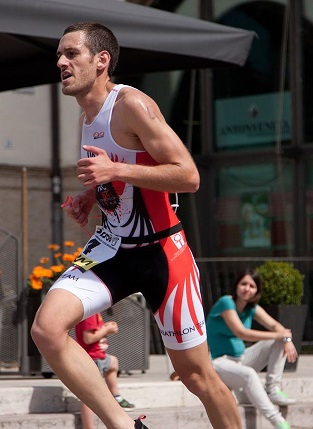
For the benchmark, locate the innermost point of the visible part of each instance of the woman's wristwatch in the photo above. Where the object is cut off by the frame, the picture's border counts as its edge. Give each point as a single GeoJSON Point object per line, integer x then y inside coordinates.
{"type": "Point", "coordinates": [287, 339]}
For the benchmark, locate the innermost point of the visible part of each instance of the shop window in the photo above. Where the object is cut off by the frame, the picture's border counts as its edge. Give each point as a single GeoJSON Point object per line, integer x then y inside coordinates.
{"type": "Point", "coordinates": [252, 104]}
{"type": "Point", "coordinates": [254, 210]}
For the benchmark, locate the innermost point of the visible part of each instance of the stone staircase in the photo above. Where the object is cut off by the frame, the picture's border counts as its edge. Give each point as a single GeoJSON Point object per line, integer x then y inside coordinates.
{"type": "Point", "coordinates": [45, 403]}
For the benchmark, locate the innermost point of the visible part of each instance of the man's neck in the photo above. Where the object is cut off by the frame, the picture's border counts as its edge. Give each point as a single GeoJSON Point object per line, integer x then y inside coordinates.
{"type": "Point", "coordinates": [93, 102]}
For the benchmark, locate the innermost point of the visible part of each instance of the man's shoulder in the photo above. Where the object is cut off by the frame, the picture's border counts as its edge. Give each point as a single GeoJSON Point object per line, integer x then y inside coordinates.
{"type": "Point", "coordinates": [131, 96]}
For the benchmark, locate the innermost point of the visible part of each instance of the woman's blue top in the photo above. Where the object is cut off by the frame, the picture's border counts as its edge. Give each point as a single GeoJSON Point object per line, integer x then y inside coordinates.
{"type": "Point", "coordinates": [221, 340]}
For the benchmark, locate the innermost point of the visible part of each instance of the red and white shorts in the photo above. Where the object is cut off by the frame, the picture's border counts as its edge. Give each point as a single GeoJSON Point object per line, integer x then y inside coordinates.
{"type": "Point", "coordinates": [167, 276]}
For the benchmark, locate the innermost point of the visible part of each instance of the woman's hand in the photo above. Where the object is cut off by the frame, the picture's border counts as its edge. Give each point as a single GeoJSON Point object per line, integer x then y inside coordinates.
{"type": "Point", "coordinates": [283, 333]}
{"type": "Point", "coordinates": [290, 352]}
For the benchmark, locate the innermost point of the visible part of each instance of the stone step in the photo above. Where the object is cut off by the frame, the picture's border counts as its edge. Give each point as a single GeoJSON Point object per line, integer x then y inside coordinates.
{"type": "Point", "coordinates": [171, 418]}
{"type": "Point", "coordinates": [299, 417]}
{"type": "Point", "coordinates": [58, 399]}
{"type": "Point", "coordinates": [51, 396]}
{"type": "Point", "coordinates": [35, 402]}
{"type": "Point", "coordinates": [40, 421]}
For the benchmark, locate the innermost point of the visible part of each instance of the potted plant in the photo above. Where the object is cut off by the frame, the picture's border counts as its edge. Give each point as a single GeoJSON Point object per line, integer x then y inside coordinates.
{"type": "Point", "coordinates": [44, 275]}
{"type": "Point", "coordinates": [40, 280]}
{"type": "Point", "coordinates": [282, 293]}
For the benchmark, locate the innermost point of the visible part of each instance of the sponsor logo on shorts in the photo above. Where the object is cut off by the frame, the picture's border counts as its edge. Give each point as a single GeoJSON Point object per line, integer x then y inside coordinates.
{"type": "Point", "coordinates": [178, 240]}
{"type": "Point", "coordinates": [70, 276]}
{"type": "Point", "coordinates": [184, 331]}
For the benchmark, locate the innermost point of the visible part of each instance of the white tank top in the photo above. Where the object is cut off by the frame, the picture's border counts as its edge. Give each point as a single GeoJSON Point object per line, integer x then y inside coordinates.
{"type": "Point", "coordinates": [128, 211]}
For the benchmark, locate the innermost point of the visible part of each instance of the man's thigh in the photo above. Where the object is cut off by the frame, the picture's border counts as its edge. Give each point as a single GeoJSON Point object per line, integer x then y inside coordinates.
{"type": "Point", "coordinates": [60, 310]}
{"type": "Point", "coordinates": [195, 360]}
{"type": "Point", "coordinates": [87, 287]}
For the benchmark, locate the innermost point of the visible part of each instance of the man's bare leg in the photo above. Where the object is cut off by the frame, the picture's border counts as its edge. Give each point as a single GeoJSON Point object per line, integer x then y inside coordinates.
{"type": "Point", "coordinates": [87, 417]}
{"type": "Point", "coordinates": [60, 311]}
{"type": "Point", "coordinates": [196, 372]}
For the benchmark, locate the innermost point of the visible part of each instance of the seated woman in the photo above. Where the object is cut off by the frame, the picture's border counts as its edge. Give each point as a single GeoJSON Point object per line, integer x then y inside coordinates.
{"type": "Point", "coordinates": [228, 326]}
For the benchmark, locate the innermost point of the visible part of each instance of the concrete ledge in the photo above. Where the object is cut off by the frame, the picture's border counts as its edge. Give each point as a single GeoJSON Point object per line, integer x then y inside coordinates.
{"type": "Point", "coordinates": [299, 416]}
{"type": "Point", "coordinates": [24, 400]}
{"type": "Point", "coordinates": [58, 399]}
{"type": "Point", "coordinates": [40, 421]}
{"type": "Point", "coordinates": [169, 418]}
{"type": "Point", "coordinates": [35, 402]}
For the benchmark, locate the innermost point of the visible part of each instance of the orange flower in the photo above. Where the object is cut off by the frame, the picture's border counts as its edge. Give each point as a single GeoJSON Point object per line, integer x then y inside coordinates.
{"type": "Point", "coordinates": [54, 247]}
{"type": "Point", "coordinates": [39, 271]}
{"type": "Point", "coordinates": [41, 277]}
{"type": "Point", "coordinates": [78, 252]}
{"type": "Point", "coordinates": [68, 257]}
{"type": "Point", "coordinates": [57, 268]}
{"type": "Point", "coordinates": [36, 284]}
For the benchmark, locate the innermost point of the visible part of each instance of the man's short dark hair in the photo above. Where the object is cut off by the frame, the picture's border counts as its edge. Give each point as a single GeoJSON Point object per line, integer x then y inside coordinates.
{"type": "Point", "coordinates": [98, 38]}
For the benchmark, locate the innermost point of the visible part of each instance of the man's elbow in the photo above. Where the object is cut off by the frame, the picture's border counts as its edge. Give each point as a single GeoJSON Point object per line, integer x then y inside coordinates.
{"type": "Point", "coordinates": [194, 182]}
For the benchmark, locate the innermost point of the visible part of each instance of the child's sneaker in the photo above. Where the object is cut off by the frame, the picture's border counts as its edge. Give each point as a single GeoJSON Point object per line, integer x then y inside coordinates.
{"type": "Point", "coordinates": [139, 424]}
{"type": "Point", "coordinates": [127, 406]}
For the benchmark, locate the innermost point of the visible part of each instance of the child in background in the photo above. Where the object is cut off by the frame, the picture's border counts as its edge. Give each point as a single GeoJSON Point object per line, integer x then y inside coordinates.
{"type": "Point", "coordinates": [91, 334]}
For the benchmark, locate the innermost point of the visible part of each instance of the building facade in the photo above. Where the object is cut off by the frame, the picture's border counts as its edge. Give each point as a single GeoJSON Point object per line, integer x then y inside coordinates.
{"type": "Point", "coordinates": [249, 129]}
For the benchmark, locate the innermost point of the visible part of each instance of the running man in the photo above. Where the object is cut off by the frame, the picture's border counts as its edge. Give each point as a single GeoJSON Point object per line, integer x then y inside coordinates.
{"type": "Point", "coordinates": [130, 160]}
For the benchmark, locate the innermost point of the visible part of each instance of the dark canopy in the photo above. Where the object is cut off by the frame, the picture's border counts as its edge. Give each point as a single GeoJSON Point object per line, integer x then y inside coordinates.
{"type": "Point", "coordinates": [150, 39]}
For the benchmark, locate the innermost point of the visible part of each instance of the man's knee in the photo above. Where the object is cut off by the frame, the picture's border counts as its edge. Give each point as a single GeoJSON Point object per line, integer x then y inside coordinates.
{"type": "Point", "coordinates": [47, 335]}
{"type": "Point", "coordinates": [201, 383]}
{"type": "Point", "coordinates": [39, 333]}
{"type": "Point", "coordinates": [60, 311]}
{"type": "Point", "coordinates": [193, 382]}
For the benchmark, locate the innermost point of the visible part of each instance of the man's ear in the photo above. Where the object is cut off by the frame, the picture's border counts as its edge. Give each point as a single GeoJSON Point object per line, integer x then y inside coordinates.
{"type": "Point", "coordinates": [103, 59]}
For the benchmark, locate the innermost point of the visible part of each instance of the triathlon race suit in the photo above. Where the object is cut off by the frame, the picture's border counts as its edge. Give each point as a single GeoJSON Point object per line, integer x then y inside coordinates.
{"type": "Point", "coordinates": [146, 244]}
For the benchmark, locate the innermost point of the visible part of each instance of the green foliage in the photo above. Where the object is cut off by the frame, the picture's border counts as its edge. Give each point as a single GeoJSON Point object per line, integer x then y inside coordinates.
{"type": "Point", "coordinates": [282, 284]}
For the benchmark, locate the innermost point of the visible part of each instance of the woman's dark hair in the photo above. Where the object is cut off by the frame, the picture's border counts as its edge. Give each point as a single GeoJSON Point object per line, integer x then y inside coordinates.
{"type": "Point", "coordinates": [98, 38]}
{"type": "Point", "coordinates": [257, 279]}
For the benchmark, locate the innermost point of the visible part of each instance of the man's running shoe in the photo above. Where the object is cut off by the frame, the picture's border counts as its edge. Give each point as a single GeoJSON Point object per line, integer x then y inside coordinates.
{"type": "Point", "coordinates": [127, 406]}
{"type": "Point", "coordinates": [280, 398]}
{"type": "Point", "coordinates": [139, 424]}
{"type": "Point", "coordinates": [283, 425]}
